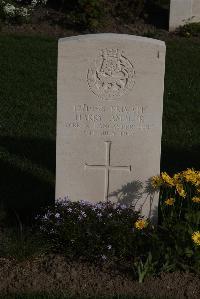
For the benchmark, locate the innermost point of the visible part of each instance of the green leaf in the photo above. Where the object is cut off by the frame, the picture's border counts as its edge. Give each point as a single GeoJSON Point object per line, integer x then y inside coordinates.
{"type": "Point", "coordinates": [189, 252]}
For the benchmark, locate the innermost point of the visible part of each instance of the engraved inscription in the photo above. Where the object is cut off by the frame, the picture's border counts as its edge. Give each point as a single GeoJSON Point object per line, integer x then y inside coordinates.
{"type": "Point", "coordinates": [112, 120]}
{"type": "Point", "coordinates": [108, 168]}
{"type": "Point", "coordinates": [111, 75]}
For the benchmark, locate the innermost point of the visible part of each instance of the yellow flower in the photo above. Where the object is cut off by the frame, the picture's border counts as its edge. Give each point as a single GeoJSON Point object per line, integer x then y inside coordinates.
{"type": "Point", "coordinates": [190, 175]}
{"type": "Point", "coordinates": [167, 179]}
{"type": "Point", "coordinates": [196, 199]}
{"type": "Point", "coordinates": [198, 179]}
{"type": "Point", "coordinates": [196, 238]}
{"type": "Point", "coordinates": [176, 178]}
{"type": "Point", "coordinates": [140, 224]}
{"type": "Point", "coordinates": [156, 181]}
{"type": "Point", "coordinates": [180, 190]}
{"type": "Point", "coordinates": [170, 201]}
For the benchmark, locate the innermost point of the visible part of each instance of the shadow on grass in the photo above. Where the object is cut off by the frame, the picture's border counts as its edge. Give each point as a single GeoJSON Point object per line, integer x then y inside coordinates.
{"type": "Point", "coordinates": [27, 175]}
{"type": "Point", "coordinates": [40, 151]}
{"type": "Point", "coordinates": [178, 159]}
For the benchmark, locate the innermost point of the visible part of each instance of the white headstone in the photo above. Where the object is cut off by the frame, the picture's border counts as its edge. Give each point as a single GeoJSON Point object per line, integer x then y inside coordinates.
{"type": "Point", "coordinates": [183, 12]}
{"type": "Point", "coordinates": [109, 118]}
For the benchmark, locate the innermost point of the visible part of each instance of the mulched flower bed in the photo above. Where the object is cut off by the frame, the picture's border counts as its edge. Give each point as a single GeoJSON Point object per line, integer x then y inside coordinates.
{"type": "Point", "coordinates": [54, 274]}
{"type": "Point", "coordinates": [49, 22]}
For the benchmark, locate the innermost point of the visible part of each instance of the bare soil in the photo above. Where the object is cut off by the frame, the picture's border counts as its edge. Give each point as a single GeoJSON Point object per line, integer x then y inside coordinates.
{"type": "Point", "coordinates": [54, 274]}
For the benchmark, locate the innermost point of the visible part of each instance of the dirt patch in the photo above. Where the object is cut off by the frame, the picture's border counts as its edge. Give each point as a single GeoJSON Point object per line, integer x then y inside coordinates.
{"type": "Point", "coordinates": [55, 274]}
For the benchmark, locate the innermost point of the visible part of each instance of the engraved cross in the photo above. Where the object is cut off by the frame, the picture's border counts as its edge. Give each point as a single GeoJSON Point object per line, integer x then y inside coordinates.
{"type": "Point", "coordinates": [108, 168]}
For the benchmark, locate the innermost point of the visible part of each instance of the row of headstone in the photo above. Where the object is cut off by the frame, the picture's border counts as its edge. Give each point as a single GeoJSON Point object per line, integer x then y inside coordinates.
{"type": "Point", "coordinates": [109, 119]}
{"type": "Point", "coordinates": [183, 12]}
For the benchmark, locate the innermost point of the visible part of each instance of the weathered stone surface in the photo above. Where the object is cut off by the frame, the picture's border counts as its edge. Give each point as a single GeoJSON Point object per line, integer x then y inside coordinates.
{"type": "Point", "coordinates": [182, 12]}
{"type": "Point", "coordinates": [109, 118]}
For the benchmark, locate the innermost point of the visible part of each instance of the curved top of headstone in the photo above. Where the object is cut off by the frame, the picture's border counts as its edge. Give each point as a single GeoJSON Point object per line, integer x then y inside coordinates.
{"type": "Point", "coordinates": [114, 36]}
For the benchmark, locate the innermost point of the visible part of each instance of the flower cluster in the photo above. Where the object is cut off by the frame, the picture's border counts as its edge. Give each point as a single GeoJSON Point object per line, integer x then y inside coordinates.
{"type": "Point", "coordinates": [19, 9]}
{"type": "Point", "coordinates": [93, 230]}
{"type": "Point", "coordinates": [105, 231]}
{"type": "Point", "coordinates": [170, 201]}
{"type": "Point", "coordinates": [192, 176]}
{"type": "Point", "coordinates": [183, 214]}
{"type": "Point", "coordinates": [196, 199]}
{"type": "Point", "coordinates": [141, 224]}
{"type": "Point", "coordinates": [82, 209]}
{"type": "Point", "coordinates": [196, 238]}
{"type": "Point", "coordinates": [179, 182]}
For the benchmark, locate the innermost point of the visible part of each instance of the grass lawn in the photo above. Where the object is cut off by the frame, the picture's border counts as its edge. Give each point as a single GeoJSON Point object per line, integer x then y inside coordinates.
{"type": "Point", "coordinates": [28, 120]}
{"type": "Point", "coordinates": [28, 116]}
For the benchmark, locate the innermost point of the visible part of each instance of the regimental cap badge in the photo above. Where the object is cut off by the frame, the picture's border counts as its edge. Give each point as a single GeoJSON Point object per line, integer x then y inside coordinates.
{"type": "Point", "coordinates": [111, 74]}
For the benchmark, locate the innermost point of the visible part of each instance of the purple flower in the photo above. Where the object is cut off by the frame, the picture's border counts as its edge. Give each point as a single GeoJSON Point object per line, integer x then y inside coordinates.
{"type": "Point", "coordinates": [99, 206]}
{"type": "Point", "coordinates": [83, 214]}
{"type": "Point", "coordinates": [69, 210]}
{"type": "Point", "coordinates": [85, 202]}
{"type": "Point", "coordinates": [63, 201]}
{"type": "Point", "coordinates": [58, 200]}
{"type": "Point", "coordinates": [123, 206]}
{"type": "Point", "coordinates": [46, 217]}
{"type": "Point", "coordinates": [116, 205]}
{"type": "Point", "coordinates": [57, 215]}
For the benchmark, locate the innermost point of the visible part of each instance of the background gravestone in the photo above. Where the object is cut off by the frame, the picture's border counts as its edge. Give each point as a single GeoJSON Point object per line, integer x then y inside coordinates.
{"type": "Point", "coordinates": [183, 12]}
{"type": "Point", "coordinates": [109, 118]}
